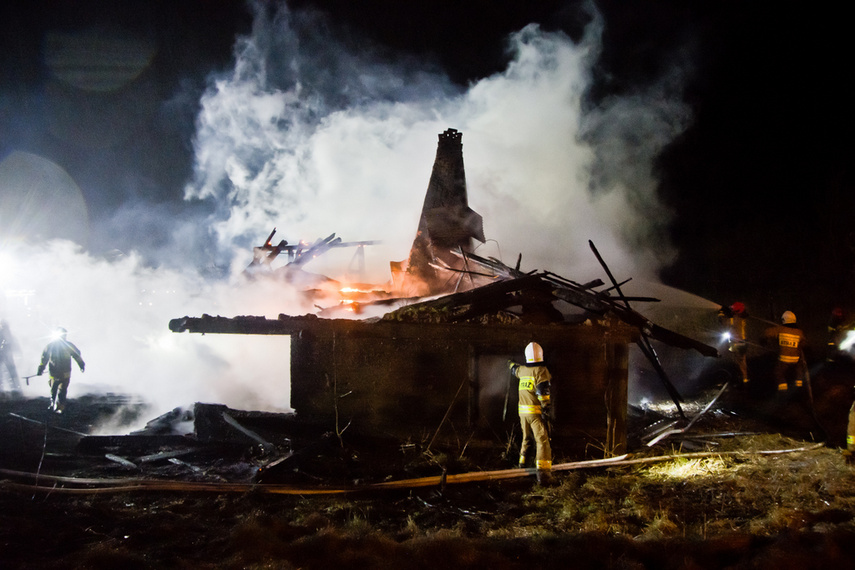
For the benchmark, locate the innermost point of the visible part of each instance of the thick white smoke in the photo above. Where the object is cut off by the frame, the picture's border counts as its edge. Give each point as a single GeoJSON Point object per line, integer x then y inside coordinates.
{"type": "Point", "coordinates": [319, 138]}
{"type": "Point", "coordinates": [117, 313]}
{"type": "Point", "coordinates": [275, 149]}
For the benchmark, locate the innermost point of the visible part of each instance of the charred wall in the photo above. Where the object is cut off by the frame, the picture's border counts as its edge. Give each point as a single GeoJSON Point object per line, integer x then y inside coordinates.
{"type": "Point", "coordinates": [451, 380]}
{"type": "Point", "coordinates": [415, 382]}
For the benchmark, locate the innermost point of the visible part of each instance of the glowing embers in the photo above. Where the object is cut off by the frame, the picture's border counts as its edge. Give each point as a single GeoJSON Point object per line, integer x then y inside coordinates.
{"type": "Point", "coordinates": [352, 297]}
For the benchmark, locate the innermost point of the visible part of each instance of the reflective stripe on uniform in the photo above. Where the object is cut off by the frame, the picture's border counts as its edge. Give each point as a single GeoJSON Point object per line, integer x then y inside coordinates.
{"type": "Point", "coordinates": [544, 464]}
{"type": "Point", "coordinates": [788, 359]}
{"type": "Point", "coordinates": [544, 399]}
{"type": "Point", "coordinates": [788, 340]}
{"type": "Point", "coordinates": [850, 440]}
{"type": "Point", "coordinates": [523, 409]}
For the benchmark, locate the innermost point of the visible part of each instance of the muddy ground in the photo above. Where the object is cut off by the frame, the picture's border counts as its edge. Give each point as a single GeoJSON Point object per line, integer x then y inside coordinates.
{"type": "Point", "coordinates": [752, 489]}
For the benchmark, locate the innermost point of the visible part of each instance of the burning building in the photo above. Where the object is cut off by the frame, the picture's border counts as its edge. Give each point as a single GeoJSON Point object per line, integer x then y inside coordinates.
{"type": "Point", "coordinates": [437, 367]}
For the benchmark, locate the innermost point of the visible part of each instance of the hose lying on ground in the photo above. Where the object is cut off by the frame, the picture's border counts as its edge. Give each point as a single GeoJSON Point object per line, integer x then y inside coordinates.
{"type": "Point", "coordinates": [78, 485]}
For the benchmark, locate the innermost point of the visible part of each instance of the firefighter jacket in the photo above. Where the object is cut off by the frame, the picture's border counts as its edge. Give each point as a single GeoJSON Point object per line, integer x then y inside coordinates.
{"type": "Point", "coordinates": [789, 340]}
{"type": "Point", "coordinates": [534, 386]}
{"type": "Point", "coordinates": [57, 355]}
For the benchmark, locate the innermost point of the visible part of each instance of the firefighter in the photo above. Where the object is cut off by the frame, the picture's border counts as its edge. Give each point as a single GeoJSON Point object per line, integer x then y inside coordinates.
{"type": "Point", "coordinates": [789, 339]}
{"type": "Point", "coordinates": [734, 318]}
{"type": "Point", "coordinates": [849, 453]}
{"type": "Point", "coordinates": [534, 409]}
{"type": "Point", "coordinates": [838, 326]}
{"type": "Point", "coordinates": [8, 348]}
{"type": "Point", "coordinates": [57, 357]}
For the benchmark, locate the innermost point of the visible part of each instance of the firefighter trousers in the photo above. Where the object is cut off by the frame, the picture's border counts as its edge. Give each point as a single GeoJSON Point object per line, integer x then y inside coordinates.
{"type": "Point", "coordinates": [534, 433]}
{"type": "Point", "coordinates": [58, 390]}
{"type": "Point", "coordinates": [790, 375]}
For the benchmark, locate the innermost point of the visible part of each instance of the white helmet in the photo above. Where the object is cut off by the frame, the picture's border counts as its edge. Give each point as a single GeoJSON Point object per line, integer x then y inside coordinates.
{"type": "Point", "coordinates": [788, 318]}
{"type": "Point", "coordinates": [533, 352]}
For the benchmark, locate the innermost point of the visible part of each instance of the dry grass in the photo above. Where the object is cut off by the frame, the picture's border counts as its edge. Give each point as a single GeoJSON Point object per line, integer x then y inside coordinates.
{"type": "Point", "coordinates": [709, 511]}
{"type": "Point", "coordinates": [702, 497]}
{"type": "Point", "coordinates": [695, 498]}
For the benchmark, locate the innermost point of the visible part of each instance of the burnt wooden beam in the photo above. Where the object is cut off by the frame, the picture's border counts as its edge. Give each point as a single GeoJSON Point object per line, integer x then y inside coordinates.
{"type": "Point", "coordinates": [582, 299]}
{"type": "Point", "coordinates": [121, 460]}
{"type": "Point", "coordinates": [643, 342]}
{"type": "Point", "coordinates": [239, 325]}
{"type": "Point", "coordinates": [488, 298]}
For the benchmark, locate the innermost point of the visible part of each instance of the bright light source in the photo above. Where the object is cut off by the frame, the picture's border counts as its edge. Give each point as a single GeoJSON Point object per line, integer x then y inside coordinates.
{"type": "Point", "coordinates": [166, 341]}
{"type": "Point", "coordinates": [847, 341]}
{"type": "Point", "coordinates": [725, 337]}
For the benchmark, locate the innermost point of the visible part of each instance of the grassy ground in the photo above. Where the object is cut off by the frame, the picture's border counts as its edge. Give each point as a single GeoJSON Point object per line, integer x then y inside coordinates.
{"type": "Point", "coordinates": [792, 510]}
{"type": "Point", "coordinates": [732, 507]}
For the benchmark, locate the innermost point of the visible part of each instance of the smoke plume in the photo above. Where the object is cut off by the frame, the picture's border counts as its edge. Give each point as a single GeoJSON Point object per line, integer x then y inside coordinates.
{"type": "Point", "coordinates": [279, 145]}
{"type": "Point", "coordinates": [312, 136]}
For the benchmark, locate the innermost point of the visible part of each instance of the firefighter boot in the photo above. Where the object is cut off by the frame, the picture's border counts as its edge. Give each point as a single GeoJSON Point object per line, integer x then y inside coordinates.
{"type": "Point", "coordinates": [544, 477]}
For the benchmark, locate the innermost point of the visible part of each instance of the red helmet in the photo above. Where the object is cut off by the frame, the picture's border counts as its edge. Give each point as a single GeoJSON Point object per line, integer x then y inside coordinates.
{"type": "Point", "coordinates": [738, 307]}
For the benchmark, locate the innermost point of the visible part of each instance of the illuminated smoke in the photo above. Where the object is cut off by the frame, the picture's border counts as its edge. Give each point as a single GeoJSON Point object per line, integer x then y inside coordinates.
{"type": "Point", "coordinates": [278, 145]}
{"type": "Point", "coordinates": [117, 312]}
{"type": "Point", "coordinates": [312, 137]}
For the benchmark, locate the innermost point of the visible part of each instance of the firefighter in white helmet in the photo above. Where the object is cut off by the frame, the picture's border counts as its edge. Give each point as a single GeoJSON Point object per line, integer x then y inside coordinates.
{"type": "Point", "coordinates": [534, 408]}
{"type": "Point", "coordinates": [789, 340]}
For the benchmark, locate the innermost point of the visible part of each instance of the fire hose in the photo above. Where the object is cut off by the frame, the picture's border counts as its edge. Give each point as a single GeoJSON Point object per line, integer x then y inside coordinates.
{"type": "Point", "coordinates": [103, 486]}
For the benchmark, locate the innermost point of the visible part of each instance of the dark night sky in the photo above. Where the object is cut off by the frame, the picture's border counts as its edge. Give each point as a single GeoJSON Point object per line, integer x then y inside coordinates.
{"type": "Point", "coordinates": [760, 181]}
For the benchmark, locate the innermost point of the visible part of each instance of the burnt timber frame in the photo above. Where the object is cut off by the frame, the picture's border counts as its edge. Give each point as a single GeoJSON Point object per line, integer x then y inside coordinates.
{"type": "Point", "coordinates": [417, 381]}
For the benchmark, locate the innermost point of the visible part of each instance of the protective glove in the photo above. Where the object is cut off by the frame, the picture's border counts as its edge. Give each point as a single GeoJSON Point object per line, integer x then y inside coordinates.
{"type": "Point", "coordinates": [40, 371]}
{"type": "Point", "coordinates": [546, 412]}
